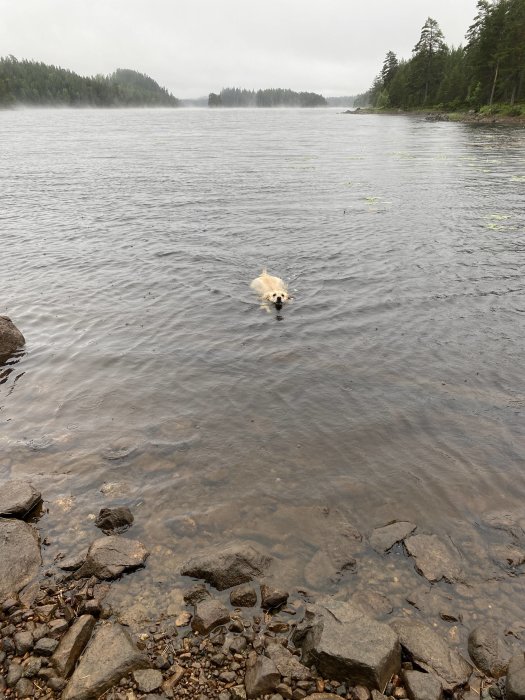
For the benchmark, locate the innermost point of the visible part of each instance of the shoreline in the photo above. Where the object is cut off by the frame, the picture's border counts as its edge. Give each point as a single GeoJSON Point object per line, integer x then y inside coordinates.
{"type": "Point", "coordinates": [445, 116]}
{"type": "Point", "coordinates": [237, 635]}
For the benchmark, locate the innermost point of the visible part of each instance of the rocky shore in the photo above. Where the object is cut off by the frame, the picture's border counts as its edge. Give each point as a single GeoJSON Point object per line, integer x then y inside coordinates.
{"type": "Point", "coordinates": [240, 634]}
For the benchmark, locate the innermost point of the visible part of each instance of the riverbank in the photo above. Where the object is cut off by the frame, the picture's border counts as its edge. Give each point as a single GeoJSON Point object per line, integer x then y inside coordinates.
{"type": "Point", "coordinates": [470, 117]}
{"type": "Point", "coordinates": [238, 634]}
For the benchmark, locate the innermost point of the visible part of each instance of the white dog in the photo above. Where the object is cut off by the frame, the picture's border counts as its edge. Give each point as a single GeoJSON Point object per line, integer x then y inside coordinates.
{"type": "Point", "coordinates": [271, 289]}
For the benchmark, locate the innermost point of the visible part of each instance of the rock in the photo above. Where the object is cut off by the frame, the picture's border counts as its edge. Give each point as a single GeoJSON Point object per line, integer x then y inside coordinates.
{"type": "Point", "coordinates": [18, 498]}
{"type": "Point", "coordinates": [347, 645]}
{"type": "Point", "coordinates": [57, 627]}
{"type": "Point", "coordinates": [14, 674]}
{"type": "Point", "coordinates": [114, 520]}
{"type": "Point", "coordinates": [507, 554]}
{"type": "Point", "coordinates": [74, 561]}
{"type": "Point", "coordinates": [110, 655]}
{"type": "Point", "coordinates": [373, 604]}
{"type": "Point", "coordinates": [72, 645]}
{"type": "Point", "coordinates": [287, 664]}
{"type": "Point", "coordinates": [323, 696]}
{"type": "Point", "coordinates": [384, 538]}
{"type": "Point", "coordinates": [515, 687]}
{"type": "Point", "coordinates": [262, 677]}
{"type": "Point", "coordinates": [24, 688]}
{"type": "Point", "coordinates": [209, 613]}
{"type": "Point", "coordinates": [272, 598]}
{"type": "Point", "coordinates": [434, 559]}
{"type": "Point", "coordinates": [23, 642]}
{"type": "Point", "coordinates": [57, 683]}
{"type": "Point", "coordinates": [148, 680]}
{"type": "Point", "coordinates": [231, 565]}
{"type": "Point", "coordinates": [10, 338]}
{"type": "Point", "coordinates": [45, 646]}
{"type": "Point", "coordinates": [243, 596]}
{"type": "Point", "coordinates": [109, 557]}
{"type": "Point", "coordinates": [422, 686]}
{"type": "Point", "coordinates": [196, 593]}
{"type": "Point", "coordinates": [31, 666]}
{"type": "Point", "coordinates": [432, 653]}
{"type": "Point", "coordinates": [488, 650]}
{"type": "Point", "coordinates": [238, 692]}
{"type": "Point", "coordinates": [20, 557]}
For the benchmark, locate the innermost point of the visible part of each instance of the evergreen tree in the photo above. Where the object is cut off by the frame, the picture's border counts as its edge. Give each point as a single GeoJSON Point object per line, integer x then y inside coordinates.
{"type": "Point", "coordinates": [428, 60]}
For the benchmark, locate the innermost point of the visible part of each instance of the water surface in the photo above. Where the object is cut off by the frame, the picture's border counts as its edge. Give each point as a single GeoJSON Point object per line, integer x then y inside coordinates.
{"type": "Point", "coordinates": [392, 387]}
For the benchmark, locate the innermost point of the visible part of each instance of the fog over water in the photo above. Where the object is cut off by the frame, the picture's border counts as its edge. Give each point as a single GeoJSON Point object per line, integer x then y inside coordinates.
{"type": "Point", "coordinates": [334, 47]}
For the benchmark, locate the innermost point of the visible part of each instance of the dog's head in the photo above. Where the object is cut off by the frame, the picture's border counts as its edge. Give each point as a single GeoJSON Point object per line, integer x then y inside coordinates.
{"type": "Point", "coordinates": [278, 297]}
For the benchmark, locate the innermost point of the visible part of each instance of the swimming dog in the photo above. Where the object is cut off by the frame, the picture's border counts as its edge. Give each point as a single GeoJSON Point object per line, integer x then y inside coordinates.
{"type": "Point", "coordinates": [271, 289]}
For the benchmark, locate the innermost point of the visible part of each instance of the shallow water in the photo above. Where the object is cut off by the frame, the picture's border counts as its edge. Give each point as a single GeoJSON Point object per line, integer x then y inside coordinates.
{"type": "Point", "coordinates": [391, 388]}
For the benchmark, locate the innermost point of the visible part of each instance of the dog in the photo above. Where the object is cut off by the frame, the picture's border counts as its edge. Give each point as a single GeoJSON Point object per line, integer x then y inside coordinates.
{"type": "Point", "coordinates": [271, 289]}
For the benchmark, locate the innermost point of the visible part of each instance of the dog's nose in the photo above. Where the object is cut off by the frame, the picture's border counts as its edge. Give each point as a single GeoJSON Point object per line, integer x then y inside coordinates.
{"type": "Point", "coordinates": [278, 300]}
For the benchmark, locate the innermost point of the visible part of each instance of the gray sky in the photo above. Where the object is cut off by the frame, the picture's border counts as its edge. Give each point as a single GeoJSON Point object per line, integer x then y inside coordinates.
{"type": "Point", "coordinates": [194, 47]}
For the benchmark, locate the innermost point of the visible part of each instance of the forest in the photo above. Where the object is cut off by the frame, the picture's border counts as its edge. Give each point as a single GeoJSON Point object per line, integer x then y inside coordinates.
{"type": "Point", "coordinates": [37, 84]}
{"type": "Point", "coordinates": [487, 73]}
{"type": "Point", "coordinates": [277, 97]}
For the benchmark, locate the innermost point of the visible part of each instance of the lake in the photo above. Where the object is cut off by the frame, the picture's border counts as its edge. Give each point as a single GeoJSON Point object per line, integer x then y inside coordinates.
{"type": "Point", "coordinates": [391, 388]}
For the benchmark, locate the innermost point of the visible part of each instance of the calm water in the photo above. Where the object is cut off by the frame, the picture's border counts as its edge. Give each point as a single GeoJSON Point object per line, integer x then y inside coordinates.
{"type": "Point", "coordinates": [392, 387]}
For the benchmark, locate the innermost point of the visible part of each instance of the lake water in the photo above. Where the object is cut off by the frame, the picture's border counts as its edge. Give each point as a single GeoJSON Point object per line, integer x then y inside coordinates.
{"type": "Point", "coordinates": [391, 388]}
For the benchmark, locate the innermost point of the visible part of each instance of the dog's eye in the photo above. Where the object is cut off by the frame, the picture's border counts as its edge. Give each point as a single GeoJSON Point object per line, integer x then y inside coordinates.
{"type": "Point", "coordinates": [273, 294]}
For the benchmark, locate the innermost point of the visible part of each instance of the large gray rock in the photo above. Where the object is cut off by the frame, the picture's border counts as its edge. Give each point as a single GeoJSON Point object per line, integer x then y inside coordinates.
{"type": "Point", "coordinates": [228, 566]}
{"type": "Point", "coordinates": [488, 650]}
{"type": "Point", "coordinates": [10, 338]}
{"type": "Point", "coordinates": [422, 686]}
{"type": "Point", "coordinates": [347, 645]}
{"type": "Point", "coordinates": [17, 499]}
{"type": "Point", "coordinates": [515, 686]}
{"type": "Point", "coordinates": [72, 645]}
{"type": "Point", "coordinates": [20, 557]}
{"type": "Point", "coordinates": [110, 655]}
{"type": "Point", "coordinates": [109, 557]}
{"type": "Point", "coordinates": [384, 538]}
{"type": "Point", "coordinates": [432, 653]}
{"type": "Point", "coordinates": [434, 559]}
{"type": "Point", "coordinates": [262, 677]}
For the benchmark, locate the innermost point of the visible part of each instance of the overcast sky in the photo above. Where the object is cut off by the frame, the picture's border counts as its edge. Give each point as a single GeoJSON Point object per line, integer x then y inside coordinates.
{"type": "Point", "coordinates": [194, 47]}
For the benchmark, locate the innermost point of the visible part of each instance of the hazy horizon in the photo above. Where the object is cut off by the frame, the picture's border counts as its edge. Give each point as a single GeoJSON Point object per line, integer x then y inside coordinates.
{"type": "Point", "coordinates": [196, 47]}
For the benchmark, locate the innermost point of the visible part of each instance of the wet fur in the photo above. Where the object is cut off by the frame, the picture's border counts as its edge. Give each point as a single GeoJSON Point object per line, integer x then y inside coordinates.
{"type": "Point", "coordinates": [269, 288]}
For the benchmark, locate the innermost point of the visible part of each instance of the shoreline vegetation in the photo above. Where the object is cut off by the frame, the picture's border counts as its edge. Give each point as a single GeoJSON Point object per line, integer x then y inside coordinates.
{"type": "Point", "coordinates": [486, 77]}
{"type": "Point", "coordinates": [498, 115]}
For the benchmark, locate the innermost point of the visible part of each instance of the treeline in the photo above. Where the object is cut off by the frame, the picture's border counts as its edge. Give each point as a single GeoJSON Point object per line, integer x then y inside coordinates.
{"type": "Point", "coordinates": [236, 97]}
{"type": "Point", "coordinates": [490, 68]}
{"type": "Point", "coordinates": [33, 83]}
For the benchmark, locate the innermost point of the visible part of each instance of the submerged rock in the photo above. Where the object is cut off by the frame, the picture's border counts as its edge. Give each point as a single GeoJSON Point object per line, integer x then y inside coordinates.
{"type": "Point", "coordinates": [432, 653]}
{"type": "Point", "coordinates": [515, 686]}
{"type": "Point", "coordinates": [10, 337]}
{"type": "Point", "coordinates": [384, 538]}
{"type": "Point", "coordinates": [243, 596]}
{"type": "Point", "coordinates": [434, 559]}
{"type": "Point", "coordinates": [114, 520]}
{"type": "Point", "coordinates": [110, 655]}
{"type": "Point", "coordinates": [109, 557]}
{"type": "Point", "coordinates": [231, 565]}
{"type": "Point", "coordinates": [488, 650]}
{"type": "Point", "coordinates": [347, 645]}
{"type": "Point", "coordinates": [18, 498]}
{"type": "Point", "coordinates": [20, 557]}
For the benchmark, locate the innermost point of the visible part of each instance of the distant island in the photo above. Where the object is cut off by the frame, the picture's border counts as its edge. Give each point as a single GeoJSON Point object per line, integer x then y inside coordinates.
{"type": "Point", "coordinates": [37, 84]}
{"type": "Point", "coordinates": [273, 97]}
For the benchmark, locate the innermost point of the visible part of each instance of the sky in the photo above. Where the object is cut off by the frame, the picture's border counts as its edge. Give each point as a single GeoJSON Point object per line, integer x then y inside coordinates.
{"type": "Point", "coordinates": [194, 47]}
